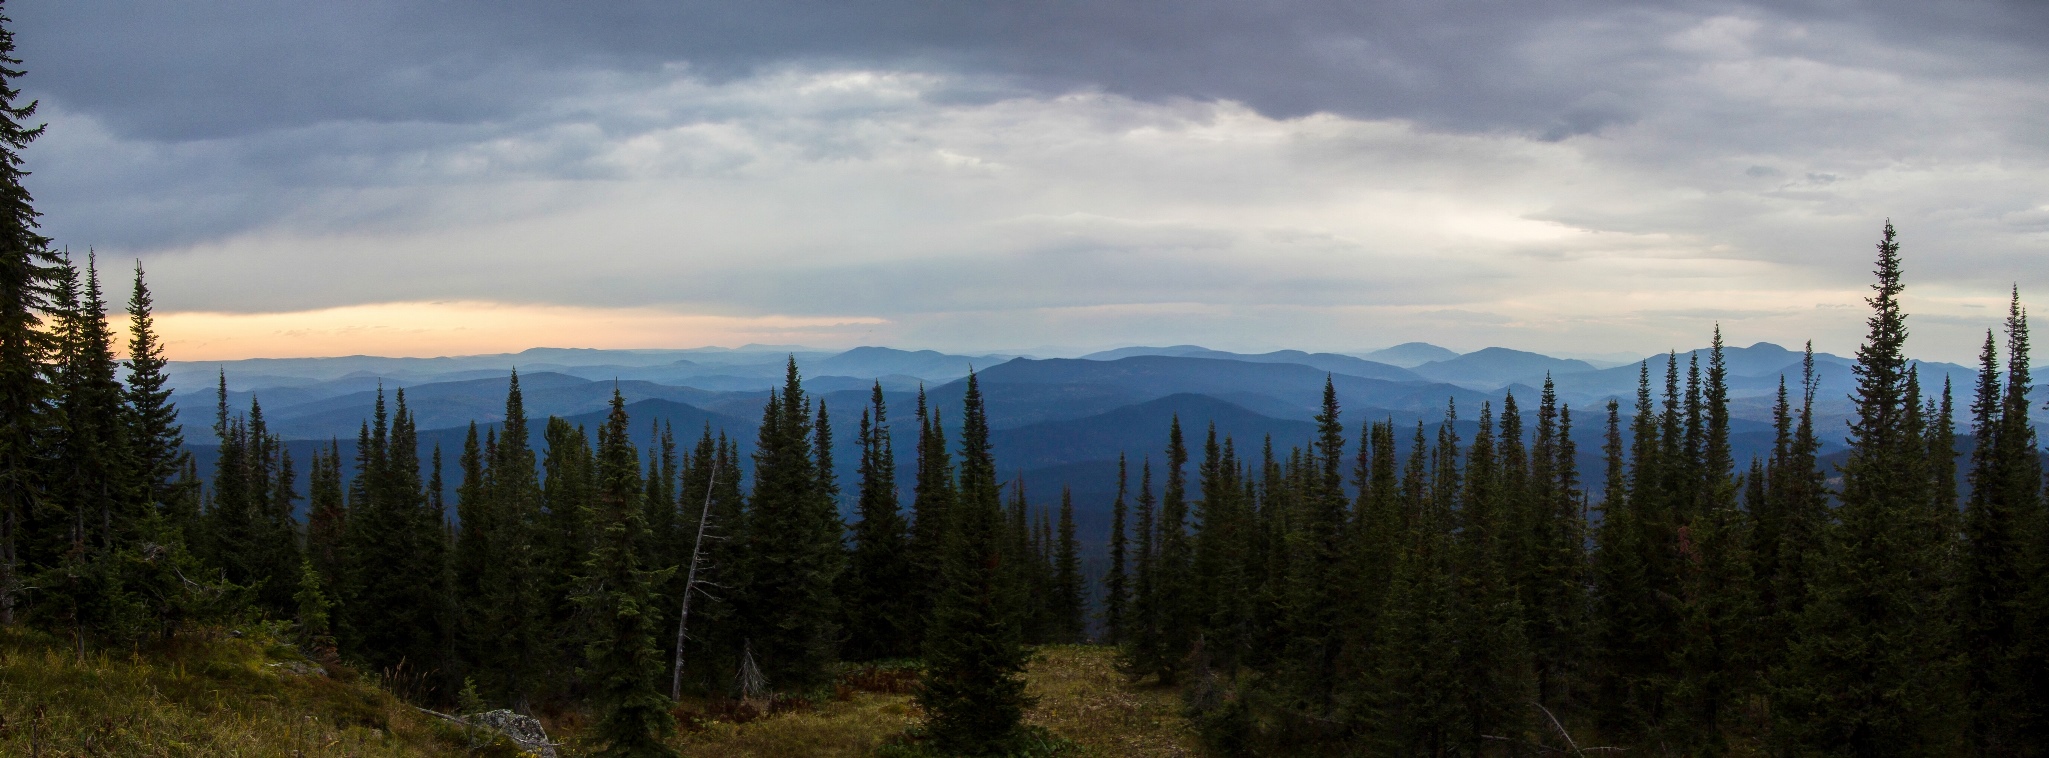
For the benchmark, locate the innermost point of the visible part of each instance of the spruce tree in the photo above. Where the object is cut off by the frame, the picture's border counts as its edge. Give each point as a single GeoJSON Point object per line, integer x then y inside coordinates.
{"type": "Point", "coordinates": [1871, 660]}
{"type": "Point", "coordinates": [1316, 543]}
{"type": "Point", "coordinates": [1116, 592]}
{"type": "Point", "coordinates": [154, 435]}
{"type": "Point", "coordinates": [473, 555]}
{"type": "Point", "coordinates": [1414, 704]}
{"type": "Point", "coordinates": [326, 519]}
{"type": "Point", "coordinates": [1144, 645]}
{"type": "Point", "coordinates": [1070, 607]}
{"type": "Point", "coordinates": [932, 497]}
{"type": "Point", "coordinates": [1493, 665]}
{"type": "Point", "coordinates": [397, 551]}
{"type": "Point", "coordinates": [512, 587]}
{"type": "Point", "coordinates": [716, 642]}
{"type": "Point", "coordinates": [879, 611]}
{"type": "Point", "coordinates": [564, 537]}
{"type": "Point", "coordinates": [625, 661]}
{"type": "Point", "coordinates": [29, 272]}
{"type": "Point", "coordinates": [973, 689]}
{"type": "Point", "coordinates": [1173, 590]}
{"type": "Point", "coordinates": [1713, 662]}
{"type": "Point", "coordinates": [2000, 593]}
{"type": "Point", "coordinates": [793, 546]}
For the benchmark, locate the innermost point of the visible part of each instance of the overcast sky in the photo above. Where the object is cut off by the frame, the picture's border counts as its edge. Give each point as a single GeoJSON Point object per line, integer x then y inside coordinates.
{"type": "Point", "coordinates": [461, 176]}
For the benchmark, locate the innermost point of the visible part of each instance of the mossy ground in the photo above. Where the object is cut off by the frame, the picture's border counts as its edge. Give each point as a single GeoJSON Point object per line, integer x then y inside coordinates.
{"type": "Point", "coordinates": [1081, 698]}
{"type": "Point", "coordinates": [205, 694]}
{"type": "Point", "coordinates": [214, 694]}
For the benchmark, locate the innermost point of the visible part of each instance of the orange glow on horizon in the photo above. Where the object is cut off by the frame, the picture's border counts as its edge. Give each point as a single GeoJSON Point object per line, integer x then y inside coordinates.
{"type": "Point", "coordinates": [429, 329]}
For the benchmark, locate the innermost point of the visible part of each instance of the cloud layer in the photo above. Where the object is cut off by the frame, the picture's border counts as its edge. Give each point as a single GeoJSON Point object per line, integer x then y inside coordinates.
{"type": "Point", "coordinates": [1577, 177]}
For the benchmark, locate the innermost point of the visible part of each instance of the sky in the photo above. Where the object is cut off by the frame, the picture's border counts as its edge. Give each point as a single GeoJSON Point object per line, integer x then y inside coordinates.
{"type": "Point", "coordinates": [1045, 176]}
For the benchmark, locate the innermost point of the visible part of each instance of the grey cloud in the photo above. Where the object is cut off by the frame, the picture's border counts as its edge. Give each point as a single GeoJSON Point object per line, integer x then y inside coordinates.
{"type": "Point", "coordinates": [1555, 68]}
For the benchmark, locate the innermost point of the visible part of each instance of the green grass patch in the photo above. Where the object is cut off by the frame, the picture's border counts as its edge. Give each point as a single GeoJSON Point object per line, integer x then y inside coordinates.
{"type": "Point", "coordinates": [204, 694]}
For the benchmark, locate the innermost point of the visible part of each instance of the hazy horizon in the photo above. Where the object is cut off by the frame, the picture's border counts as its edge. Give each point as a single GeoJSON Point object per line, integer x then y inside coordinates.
{"type": "Point", "coordinates": [1604, 177]}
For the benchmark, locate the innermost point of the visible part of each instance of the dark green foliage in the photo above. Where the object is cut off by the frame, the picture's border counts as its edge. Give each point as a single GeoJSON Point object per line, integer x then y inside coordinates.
{"type": "Point", "coordinates": [1144, 650]}
{"type": "Point", "coordinates": [973, 690]}
{"type": "Point", "coordinates": [711, 482]}
{"type": "Point", "coordinates": [397, 552]}
{"type": "Point", "coordinates": [624, 660]}
{"type": "Point", "coordinates": [156, 440]}
{"type": "Point", "coordinates": [1994, 588]}
{"type": "Point", "coordinates": [513, 590]}
{"type": "Point", "coordinates": [1221, 596]}
{"type": "Point", "coordinates": [1069, 608]}
{"type": "Point", "coordinates": [792, 546]}
{"type": "Point", "coordinates": [1871, 662]}
{"type": "Point", "coordinates": [931, 500]}
{"type": "Point", "coordinates": [29, 273]}
{"type": "Point", "coordinates": [665, 546]}
{"type": "Point", "coordinates": [564, 538]}
{"type": "Point", "coordinates": [880, 568]}
{"type": "Point", "coordinates": [1116, 581]}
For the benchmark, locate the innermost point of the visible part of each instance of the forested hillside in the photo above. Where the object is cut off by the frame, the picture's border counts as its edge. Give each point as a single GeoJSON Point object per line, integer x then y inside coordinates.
{"type": "Point", "coordinates": [1729, 551]}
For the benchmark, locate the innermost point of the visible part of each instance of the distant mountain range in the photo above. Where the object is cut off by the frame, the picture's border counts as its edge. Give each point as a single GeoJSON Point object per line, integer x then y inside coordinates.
{"type": "Point", "coordinates": [1056, 422]}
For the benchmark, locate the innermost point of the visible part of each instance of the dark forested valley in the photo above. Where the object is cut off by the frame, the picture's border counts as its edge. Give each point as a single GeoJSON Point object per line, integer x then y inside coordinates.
{"type": "Point", "coordinates": [1497, 571]}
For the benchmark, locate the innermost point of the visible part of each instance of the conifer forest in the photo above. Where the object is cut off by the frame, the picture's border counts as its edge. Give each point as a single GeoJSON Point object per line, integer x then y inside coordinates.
{"type": "Point", "coordinates": [1462, 586]}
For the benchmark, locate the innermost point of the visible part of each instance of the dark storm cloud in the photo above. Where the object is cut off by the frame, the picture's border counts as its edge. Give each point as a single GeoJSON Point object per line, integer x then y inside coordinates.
{"type": "Point", "coordinates": [1552, 68]}
{"type": "Point", "coordinates": [1014, 170]}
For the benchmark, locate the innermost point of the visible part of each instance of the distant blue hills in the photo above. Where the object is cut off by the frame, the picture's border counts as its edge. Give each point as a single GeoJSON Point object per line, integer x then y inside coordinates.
{"type": "Point", "coordinates": [1056, 422]}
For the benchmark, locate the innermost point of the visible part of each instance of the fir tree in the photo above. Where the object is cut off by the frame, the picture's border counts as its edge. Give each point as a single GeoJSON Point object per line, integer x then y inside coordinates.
{"type": "Point", "coordinates": [1493, 666]}
{"type": "Point", "coordinates": [793, 546]}
{"type": "Point", "coordinates": [932, 497]}
{"type": "Point", "coordinates": [1116, 594]}
{"type": "Point", "coordinates": [326, 519]}
{"type": "Point", "coordinates": [1998, 591]}
{"type": "Point", "coordinates": [1070, 608]}
{"type": "Point", "coordinates": [29, 272]}
{"type": "Point", "coordinates": [565, 536]}
{"type": "Point", "coordinates": [156, 438]}
{"type": "Point", "coordinates": [1145, 644]}
{"type": "Point", "coordinates": [879, 611]}
{"type": "Point", "coordinates": [1174, 595]}
{"type": "Point", "coordinates": [624, 658]}
{"type": "Point", "coordinates": [1871, 659]}
{"type": "Point", "coordinates": [511, 585]}
{"type": "Point", "coordinates": [973, 690]}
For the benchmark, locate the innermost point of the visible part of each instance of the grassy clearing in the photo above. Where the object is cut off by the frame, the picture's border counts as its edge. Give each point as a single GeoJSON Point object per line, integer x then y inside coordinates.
{"type": "Point", "coordinates": [851, 727]}
{"type": "Point", "coordinates": [1081, 698]}
{"type": "Point", "coordinates": [210, 695]}
{"type": "Point", "coordinates": [1084, 699]}
{"type": "Point", "coordinates": [218, 695]}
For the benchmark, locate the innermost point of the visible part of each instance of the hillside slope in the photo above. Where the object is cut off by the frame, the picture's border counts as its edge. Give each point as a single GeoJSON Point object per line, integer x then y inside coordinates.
{"type": "Point", "coordinates": [210, 695]}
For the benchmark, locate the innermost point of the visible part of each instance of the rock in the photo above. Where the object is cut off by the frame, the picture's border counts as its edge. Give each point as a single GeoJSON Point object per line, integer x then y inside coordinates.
{"type": "Point", "coordinates": [298, 668]}
{"type": "Point", "coordinates": [524, 731]}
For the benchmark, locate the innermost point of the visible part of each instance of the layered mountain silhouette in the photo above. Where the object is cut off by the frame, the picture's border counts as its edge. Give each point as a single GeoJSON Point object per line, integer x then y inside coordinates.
{"type": "Point", "coordinates": [1057, 422]}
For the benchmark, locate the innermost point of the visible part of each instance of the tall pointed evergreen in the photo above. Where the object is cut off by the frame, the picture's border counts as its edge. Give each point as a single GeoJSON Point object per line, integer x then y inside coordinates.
{"type": "Point", "coordinates": [28, 276]}
{"type": "Point", "coordinates": [1070, 607]}
{"type": "Point", "coordinates": [1872, 656]}
{"type": "Point", "coordinates": [793, 546]}
{"type": "Point", "coordinates": [154, 434]}
{"type": "Point", "coordinates": [932, 498]}
{"type": "Point", "coordinates": [973, 689]}
{"type": "Point", "coordinates": [625, 662]}
{"type": "Point", "coordinates": [879, 610]}
{"type": "Point", "coordinates": [1116, 581]}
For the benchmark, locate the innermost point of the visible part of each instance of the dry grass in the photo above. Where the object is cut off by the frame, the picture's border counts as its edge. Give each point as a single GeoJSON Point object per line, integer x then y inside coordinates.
{"type": "Point", "coordinates": [1084, 699]}
{"type": "Point", "coordinates": [850, 727]}
{"type": "Point", "coordinates": [1081, 697]}
{"type": "Point", "coordinates": [215, 696]}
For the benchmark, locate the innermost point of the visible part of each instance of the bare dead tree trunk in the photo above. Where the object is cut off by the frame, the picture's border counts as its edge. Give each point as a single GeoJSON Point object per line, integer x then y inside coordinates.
{"type": "Point", "coordinates": [690, 582]}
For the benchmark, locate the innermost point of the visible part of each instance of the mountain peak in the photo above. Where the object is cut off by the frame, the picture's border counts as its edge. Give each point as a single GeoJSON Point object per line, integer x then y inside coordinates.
{"type": "Point", "coordinates": [1410, 354]}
